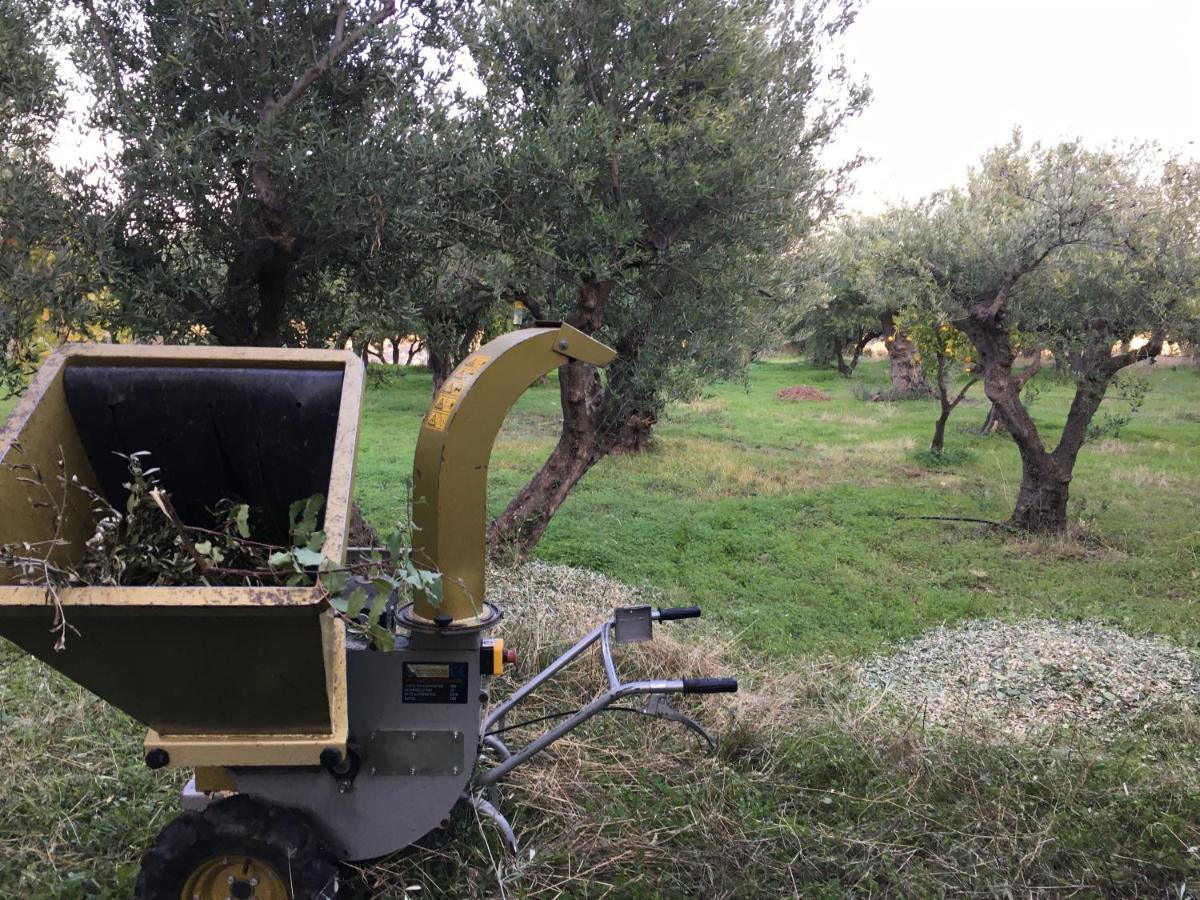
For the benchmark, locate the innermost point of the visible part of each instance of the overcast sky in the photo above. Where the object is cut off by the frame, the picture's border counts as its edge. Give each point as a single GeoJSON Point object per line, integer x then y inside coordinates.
{"type": "Point", "coordinates": [952, 77]}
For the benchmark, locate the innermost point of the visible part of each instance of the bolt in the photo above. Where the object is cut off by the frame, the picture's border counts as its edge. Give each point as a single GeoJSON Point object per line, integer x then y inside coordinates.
{"type": "Point", "coordinates": [457, 736]}
{"type": "Point", "coordinates": [229, 879]}
{"type": "Point", "coordinates": [412, 770]}
{"type": "Point", "coordinates": [253, 882]}
{"type": "Point", "coordinates": [412, 735]}
{"type": "Point", "coordinates": [373, 733]}
{"type": "Point", "coordinates": [343, 787]}
{"type": "Point", "coordinates": [454, 771]}
{"type": "Point", "coordinates": [562, 345]}
{"type": "Point", "coordinates": [374, 770]}
{"type": "Point", "coordinates": [157, 758]}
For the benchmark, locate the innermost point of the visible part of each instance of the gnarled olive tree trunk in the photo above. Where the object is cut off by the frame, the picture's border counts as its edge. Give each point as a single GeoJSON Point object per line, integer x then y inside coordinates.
{"type": "Point", "coordinates": [908, 380]}
{"type": "Point", "coordinates": [1045, 474]}
{"type": "Point", "coordinates": [596, 422]}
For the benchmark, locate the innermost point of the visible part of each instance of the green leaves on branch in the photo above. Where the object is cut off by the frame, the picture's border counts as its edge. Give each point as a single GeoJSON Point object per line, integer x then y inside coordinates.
{"type": "Point", "coordinates": [147, 544]}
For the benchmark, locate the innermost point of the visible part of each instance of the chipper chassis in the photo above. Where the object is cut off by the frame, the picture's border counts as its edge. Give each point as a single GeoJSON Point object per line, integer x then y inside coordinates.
{"type": "Point", "coordinates": [309, 747]}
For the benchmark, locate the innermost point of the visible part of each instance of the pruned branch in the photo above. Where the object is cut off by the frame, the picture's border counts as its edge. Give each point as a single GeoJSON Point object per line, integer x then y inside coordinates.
{"type": "Point", "coordinates": [163, 502]}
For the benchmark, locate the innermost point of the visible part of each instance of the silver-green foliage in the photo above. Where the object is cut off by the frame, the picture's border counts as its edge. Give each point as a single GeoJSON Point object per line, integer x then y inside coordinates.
{"type": "Point", "coordinates": [669, 151]}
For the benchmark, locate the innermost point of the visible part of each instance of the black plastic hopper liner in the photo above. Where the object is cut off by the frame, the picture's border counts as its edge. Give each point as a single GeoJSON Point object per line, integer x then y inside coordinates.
{"type": "Point", "coordinates": [262, 436]}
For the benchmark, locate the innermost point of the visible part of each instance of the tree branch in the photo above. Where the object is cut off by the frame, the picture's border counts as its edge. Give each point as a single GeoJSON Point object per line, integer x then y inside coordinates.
{"type": "Point", "coordinates": [1150, 350]}
{"type": "Point", "coordinates": [341, 43]}
{"type": "Point", "coordinates": [106, 45]}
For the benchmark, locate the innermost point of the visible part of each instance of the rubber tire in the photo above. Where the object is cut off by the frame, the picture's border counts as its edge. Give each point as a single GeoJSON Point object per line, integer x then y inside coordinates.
{"type": "Point", "coordinates": [283, 837]}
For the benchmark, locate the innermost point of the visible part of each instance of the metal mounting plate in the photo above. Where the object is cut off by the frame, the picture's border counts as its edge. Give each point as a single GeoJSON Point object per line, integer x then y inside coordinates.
{"type": "Point", "coordinates": [408, 752]}
{"type": "Point", "coordinates": [633, 624]}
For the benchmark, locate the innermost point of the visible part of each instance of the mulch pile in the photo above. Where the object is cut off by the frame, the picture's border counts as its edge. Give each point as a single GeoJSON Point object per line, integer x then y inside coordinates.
{"type": "Point", "coordinates": [800, 393]}
{"type": "Point", "coordinates": [1030, 677]}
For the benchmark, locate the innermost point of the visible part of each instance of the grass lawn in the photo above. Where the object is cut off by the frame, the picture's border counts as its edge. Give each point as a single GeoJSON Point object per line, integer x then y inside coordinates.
{"type": "Point", "coordinates": [781, 518]}
{"type": "Point", "coordinates": [791, 524]}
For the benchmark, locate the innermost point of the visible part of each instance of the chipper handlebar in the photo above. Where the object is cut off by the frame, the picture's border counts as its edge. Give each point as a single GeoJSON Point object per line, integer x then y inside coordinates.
{"type": "Point", "coordinates": [628, 617]}
{"type": "Point", "coordinates": [677, 612]}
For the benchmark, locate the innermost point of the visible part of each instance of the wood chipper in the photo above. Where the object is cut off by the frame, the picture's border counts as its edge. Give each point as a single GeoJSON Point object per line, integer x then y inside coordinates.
{"type": "Point", "coordinates": [309, 745]}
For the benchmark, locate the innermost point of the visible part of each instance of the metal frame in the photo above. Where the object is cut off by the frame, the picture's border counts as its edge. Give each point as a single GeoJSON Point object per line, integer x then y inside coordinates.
{"type": "Point", "coordinates": [617, 690]}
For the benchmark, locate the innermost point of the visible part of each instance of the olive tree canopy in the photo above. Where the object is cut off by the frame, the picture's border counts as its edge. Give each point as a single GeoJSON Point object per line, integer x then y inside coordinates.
{"type": "Point", "coordinates": [1093, 254]}
{"type": "Point", "coordinates": [653, 162]}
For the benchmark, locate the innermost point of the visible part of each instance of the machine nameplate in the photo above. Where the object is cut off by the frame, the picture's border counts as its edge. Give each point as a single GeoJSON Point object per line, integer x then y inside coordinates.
{"type": "Point", "coordinates": [409, 752]}
{"type": "Point", "coordinates": [435, 682]}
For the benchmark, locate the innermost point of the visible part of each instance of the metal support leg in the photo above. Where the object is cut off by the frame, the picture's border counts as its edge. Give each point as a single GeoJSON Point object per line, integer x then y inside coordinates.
{"type": "Point", "coordinates": [658, 707]}
{"type": "Point", "coordinates": [636, 623]}
{"type": "Point", "coordinates": [490, 740]}
{"type": "Point", "coordinates": [491, 776]}
{"type": "Point", "coordinates": [483, 807]}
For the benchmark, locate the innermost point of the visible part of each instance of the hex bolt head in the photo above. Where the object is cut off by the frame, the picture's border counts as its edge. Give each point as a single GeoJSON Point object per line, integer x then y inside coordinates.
{"type": "Point", "coordinates": [563, 344]}
{"type": "Point", "coordinates": [157, 758]}
{"type": "Point", "coordinates": [331, 757]}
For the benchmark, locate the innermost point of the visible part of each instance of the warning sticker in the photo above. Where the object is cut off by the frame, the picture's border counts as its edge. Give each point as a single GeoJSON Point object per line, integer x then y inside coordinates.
{"type": "Point", "coordinates": [475, 362]}
{"type": "Point", "coordinates": [452, 391]}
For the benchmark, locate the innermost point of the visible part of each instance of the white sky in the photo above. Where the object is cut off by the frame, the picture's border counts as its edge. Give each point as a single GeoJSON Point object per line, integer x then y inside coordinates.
{"type": "Point", "coordinates": [952, 77]}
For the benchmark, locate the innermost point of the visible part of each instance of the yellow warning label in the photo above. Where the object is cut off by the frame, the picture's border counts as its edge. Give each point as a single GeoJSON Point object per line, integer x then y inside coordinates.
{"type": "Point", "coordinates": [474, 363]}
{"type": "Point", "coordinates": [453, 390]}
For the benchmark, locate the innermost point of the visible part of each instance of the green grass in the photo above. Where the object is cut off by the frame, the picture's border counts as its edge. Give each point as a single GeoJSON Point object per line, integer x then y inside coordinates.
{"type": "Point", "coordinates": [783, 521]}
{"type": "Point", "coordinates": [781, 518]}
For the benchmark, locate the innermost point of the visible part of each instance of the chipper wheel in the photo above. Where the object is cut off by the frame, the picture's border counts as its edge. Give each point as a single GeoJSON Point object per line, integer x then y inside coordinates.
{"type": "Point", "coordinates": [238, 849]}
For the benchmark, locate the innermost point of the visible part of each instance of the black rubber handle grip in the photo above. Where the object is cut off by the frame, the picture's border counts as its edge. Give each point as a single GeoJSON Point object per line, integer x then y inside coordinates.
{"type": "Point", "coordinates": [678, 612]}
{"type": "Point", "coordinates": [710, 685]}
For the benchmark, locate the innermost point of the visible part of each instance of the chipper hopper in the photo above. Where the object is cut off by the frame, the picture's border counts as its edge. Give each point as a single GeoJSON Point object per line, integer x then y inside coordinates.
{"type": "Point", "coordinates": [309, 745]}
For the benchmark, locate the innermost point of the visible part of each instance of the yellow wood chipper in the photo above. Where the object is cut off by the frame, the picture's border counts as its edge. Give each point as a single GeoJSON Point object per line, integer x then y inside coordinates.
{"type": "Point", "coordinates": [309, 746]}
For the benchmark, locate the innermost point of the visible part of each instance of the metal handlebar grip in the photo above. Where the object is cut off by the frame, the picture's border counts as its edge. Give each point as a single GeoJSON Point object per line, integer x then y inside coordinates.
{"type": "Point", "coordinates": [710, 685]}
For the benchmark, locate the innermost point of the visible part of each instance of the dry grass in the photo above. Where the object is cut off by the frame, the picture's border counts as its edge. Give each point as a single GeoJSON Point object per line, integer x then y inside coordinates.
{"type": "Point", "coordinates": [1144, 476]}
{"type": "Point", "coordinates": [818, 790]}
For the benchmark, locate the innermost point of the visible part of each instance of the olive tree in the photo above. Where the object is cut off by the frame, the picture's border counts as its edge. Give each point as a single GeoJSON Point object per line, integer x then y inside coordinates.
{"type": "Point", "coordinates": [835, 313]}
{"type": "Point", "coordinates": [1087, 251]}
{"type": "Point", "coordinates": [653, 161]}
{"type": "Point", "coordinates": [846, 301]}
{"type": "Point", "coordinates": [272, 176]}
{"type": "Point", "coordinates": [47, 276]}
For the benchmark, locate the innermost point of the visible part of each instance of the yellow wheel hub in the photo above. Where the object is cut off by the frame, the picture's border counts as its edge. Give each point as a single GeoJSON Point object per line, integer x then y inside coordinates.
{"type": "Point", "coordinates": [234, 877]}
